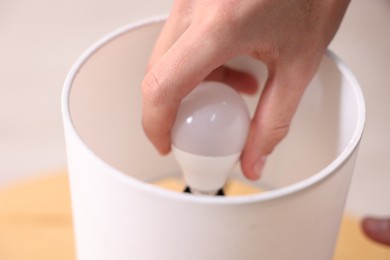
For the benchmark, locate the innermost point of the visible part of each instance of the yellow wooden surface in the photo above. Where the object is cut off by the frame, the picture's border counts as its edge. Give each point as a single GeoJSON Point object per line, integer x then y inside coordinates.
{"type": "Point", "coordinates": [35, 224]}
{"type": "Point", "coordinates": [35, 220]}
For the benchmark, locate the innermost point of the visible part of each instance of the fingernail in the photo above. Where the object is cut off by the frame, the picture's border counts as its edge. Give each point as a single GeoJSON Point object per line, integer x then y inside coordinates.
{"type": "Point", "coordinates": [377, 225]}
{"type": "Point", "coordinates": [258, 166]}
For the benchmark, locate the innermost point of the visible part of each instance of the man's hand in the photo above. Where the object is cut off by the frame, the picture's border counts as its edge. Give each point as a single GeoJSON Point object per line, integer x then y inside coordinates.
{"type": "Point", "coordinates": [290, 37]}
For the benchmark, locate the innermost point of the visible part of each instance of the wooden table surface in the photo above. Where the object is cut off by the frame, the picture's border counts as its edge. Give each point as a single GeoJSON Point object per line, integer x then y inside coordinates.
{"type": "Point", "coordinates": [36, 224]}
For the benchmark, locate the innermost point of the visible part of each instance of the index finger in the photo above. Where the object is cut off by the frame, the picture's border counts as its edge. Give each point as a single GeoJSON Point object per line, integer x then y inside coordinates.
{"type": "Point", "coordinates": [183, 66]}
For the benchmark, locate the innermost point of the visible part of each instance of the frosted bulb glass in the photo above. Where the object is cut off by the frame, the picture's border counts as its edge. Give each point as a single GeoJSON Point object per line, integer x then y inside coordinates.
{"type": "Point", "coordinates": [209, 134]}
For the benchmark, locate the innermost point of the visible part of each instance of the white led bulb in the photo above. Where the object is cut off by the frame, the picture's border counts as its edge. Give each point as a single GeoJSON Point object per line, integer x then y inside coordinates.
{"type": "Point", "coordinates": [209, 134]}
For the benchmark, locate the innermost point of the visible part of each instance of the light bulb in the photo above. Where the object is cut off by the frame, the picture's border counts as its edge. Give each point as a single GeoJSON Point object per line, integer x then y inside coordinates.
{"type": "Point", "coordinates": [208, 135]}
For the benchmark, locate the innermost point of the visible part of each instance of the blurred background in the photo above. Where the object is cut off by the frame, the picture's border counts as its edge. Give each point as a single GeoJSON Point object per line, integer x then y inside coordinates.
{"type": "Point", "coordinates": [40, 40]}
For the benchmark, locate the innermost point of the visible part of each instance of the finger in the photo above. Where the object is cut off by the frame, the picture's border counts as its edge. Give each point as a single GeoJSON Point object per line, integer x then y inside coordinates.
{"type": "Point", "coordinates": [270, 124]}
{"type": "Point", "coordinates": [176, 24]}
{"type": "Point", "coordinates": [377, 229]}
{"type": "Point", "coordinates": [190, 59]}
{"type": "Point", "coordinates": [241, 81]}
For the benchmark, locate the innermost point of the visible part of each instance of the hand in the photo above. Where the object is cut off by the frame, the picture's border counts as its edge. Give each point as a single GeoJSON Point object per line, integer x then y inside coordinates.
{"type": "Point", "coordinates": [377, 229]}
{"type": "Point", "coordinates": [290, 37]}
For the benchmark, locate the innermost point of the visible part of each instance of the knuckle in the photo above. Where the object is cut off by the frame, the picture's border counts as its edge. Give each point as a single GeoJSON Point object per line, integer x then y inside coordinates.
{"type": "Point", "coordinates": [220, 18]}
{"type": "Point", "coordinates": [181, 12]}
{"type": "Point", "coordinates": [272, 134]}
{"type": "Point", "coordinates": [281, 130]}
{"type": "Point", "coordinates": [181, 5]}
{"type": "Point", "coordinates": [276, 133]}
{"type": "Point", "coordinates": [152, 91]}
{"type": "Point", "coordinates": [228, 10]}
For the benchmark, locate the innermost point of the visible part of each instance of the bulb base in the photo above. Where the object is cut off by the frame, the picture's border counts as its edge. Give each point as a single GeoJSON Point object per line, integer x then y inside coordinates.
{"type": "Point", "coordinates": [219, 192]}
{"type": "Point", "coordinates": [204, 174]}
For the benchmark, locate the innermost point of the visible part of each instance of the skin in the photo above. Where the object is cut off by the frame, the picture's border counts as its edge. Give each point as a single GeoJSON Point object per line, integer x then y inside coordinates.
{"type": "Point", "coordinates": [377, 229]}
{"type": "Point", "coordinates": [200, 36]}
{"type": "Point", "coordinates": [290, 37]}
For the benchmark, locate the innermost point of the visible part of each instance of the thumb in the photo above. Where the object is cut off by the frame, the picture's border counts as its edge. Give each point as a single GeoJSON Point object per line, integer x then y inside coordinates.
{"type": "Point", "coordinates": [377, 229]}
{"type": "Point", "coordinates": [278, 102]}
{"type": "Point", "coordinates": [183, 66]}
